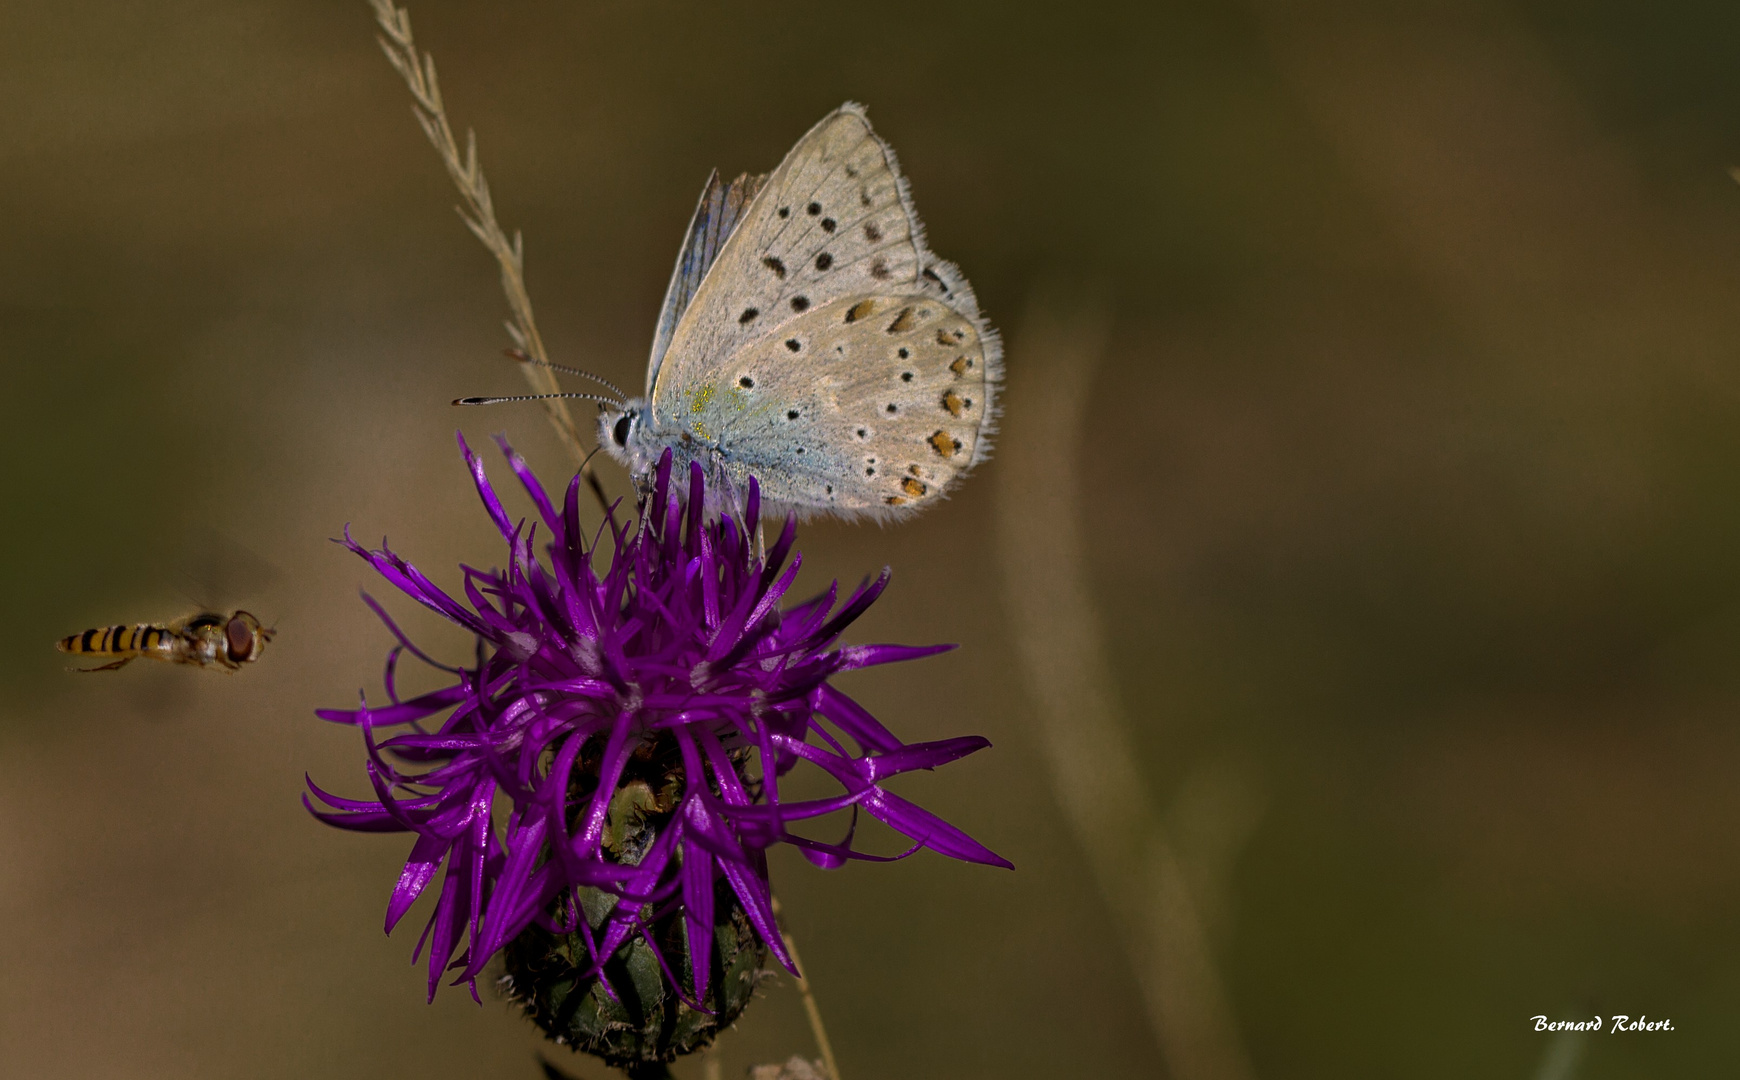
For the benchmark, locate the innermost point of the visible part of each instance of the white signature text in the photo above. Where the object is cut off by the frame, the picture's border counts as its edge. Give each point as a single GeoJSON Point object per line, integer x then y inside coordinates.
{"type": "Point", "coordinates": [1613, 1025]}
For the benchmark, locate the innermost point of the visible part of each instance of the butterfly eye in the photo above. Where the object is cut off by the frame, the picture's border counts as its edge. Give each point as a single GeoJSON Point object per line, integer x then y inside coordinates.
{"type": "Point", "coordinates": [620, 432]}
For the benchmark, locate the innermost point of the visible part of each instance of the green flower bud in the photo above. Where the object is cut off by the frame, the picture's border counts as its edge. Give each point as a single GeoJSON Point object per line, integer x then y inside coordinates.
{"type": "Point", "coordinates": [629, 1015]}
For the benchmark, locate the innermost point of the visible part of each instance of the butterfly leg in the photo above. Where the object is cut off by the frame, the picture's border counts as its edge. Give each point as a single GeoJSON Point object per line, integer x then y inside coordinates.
{"type": "Point", "coordinates": [723, 487]}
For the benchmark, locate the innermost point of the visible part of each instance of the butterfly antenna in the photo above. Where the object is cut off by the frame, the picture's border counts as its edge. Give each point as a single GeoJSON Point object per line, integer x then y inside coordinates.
{"type": "Point", "coordinates": [526, 358]}
{"type": "Point", "coordinates": [534, 397]}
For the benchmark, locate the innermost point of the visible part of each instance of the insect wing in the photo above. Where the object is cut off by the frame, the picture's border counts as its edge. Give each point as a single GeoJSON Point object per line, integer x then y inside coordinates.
{"type": "Point", "coordinates": [779, 356]}
{"type": "Point", "coordinates": [716, 215]}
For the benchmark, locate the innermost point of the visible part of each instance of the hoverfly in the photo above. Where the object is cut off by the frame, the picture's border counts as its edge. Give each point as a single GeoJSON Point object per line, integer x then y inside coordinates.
{"type": "Point", "coordinates": [206, 640]}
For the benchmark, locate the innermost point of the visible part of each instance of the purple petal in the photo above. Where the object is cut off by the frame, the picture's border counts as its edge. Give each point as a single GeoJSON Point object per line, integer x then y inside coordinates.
{"type": "Point", "coordinates": [931, 831]}
{"type": "Point", "coordinates": [529, 481]}
{"type": "Point", "coordinates": [490, 502]}
{"type": "Point", "coordinates": [863, 656]}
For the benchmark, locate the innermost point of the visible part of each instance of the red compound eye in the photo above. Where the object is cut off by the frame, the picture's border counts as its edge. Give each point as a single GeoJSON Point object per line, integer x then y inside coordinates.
{"type": "Point", "coordinates": [241, 639]}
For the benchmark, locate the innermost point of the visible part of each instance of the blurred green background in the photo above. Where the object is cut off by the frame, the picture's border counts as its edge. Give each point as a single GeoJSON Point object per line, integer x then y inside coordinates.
{"type": "Point", "coordinates": [1412, 497]}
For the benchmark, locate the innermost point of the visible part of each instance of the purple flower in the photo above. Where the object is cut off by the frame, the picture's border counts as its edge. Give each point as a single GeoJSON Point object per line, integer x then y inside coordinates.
{"type": "Point", "coordinates": [674, 669]}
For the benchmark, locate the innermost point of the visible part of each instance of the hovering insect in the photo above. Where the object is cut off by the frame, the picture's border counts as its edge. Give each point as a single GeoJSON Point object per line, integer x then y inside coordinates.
{"type": "Point", "coordinates": [206, 640]}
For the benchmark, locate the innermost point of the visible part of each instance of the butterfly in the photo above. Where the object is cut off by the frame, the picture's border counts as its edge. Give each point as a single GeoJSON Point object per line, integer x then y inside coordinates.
{"type": "Point", "coordinates": [811, 340]}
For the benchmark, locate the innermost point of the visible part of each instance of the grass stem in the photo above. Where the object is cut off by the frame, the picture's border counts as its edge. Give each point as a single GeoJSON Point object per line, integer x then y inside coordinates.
{"type": "Point", "coordinates": [811, 1009]}
{"type": "Point", "coordinates": [478, 213]}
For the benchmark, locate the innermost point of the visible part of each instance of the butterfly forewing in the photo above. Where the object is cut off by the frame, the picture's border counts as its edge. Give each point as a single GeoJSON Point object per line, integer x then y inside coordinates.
{"type": "Point", "coordinates": [716, 217]}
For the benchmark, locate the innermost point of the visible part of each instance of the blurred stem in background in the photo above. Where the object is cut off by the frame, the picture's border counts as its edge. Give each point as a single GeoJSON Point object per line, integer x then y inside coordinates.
{"type": "Point", "coordinates": [1164, 895]}
{"type": "Point", "coordinates": [1563, 1054]}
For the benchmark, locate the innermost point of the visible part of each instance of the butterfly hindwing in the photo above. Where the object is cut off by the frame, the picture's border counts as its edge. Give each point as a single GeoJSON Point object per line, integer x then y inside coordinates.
{"type": "Point", "coordinates": [880, 405]}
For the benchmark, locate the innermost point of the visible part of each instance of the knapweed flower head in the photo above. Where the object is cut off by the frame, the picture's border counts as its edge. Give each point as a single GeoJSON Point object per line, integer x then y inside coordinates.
{"type": "Point", "coordinates": [607, 779]}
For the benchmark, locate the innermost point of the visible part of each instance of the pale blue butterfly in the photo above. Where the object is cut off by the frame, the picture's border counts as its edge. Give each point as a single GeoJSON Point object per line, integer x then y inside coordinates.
{"type": "Point", "coordinates": [810, 339]}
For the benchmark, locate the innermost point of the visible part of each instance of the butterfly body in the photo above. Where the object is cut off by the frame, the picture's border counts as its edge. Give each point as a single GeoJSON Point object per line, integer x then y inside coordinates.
{"type": "Point", "coordinates": [812, 341]}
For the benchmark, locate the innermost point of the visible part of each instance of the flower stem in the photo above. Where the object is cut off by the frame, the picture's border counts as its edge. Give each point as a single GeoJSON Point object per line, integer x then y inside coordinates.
{"type": "Point", "coordinates": [810, 1008]}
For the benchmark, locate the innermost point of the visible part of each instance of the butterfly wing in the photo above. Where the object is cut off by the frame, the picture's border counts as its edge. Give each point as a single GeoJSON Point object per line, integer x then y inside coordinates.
{"type": "Point", "coordinates": [884, 403]}
{"type": "Point", "coordinates": [824, 311]}
{"type": "Point", "coordinates": [716, 215]}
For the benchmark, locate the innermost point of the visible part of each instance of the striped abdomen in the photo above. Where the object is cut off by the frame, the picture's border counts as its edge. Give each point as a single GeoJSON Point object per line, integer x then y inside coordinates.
{"type": "Point", "coordinates": [120, 641]}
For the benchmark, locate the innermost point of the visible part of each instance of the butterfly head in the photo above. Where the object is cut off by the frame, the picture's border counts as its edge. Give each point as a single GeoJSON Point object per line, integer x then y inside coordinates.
{"type": "Point", "coordinates": [623, 434]}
